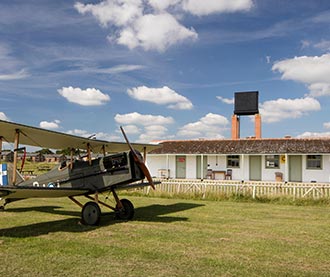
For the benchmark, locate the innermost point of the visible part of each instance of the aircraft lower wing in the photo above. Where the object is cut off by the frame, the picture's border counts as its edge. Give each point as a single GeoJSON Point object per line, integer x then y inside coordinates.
{"type": "Point", "coordinates": [39, 192]}
{"type": "Point", "coordinates": [47, 192]}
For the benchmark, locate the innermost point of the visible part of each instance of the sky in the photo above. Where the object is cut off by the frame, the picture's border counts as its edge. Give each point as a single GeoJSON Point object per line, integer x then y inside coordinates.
{"type": "Point", "coordinates": [165, 69]}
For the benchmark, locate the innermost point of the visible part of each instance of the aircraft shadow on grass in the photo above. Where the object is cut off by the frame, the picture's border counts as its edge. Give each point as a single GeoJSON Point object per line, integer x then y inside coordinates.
{"type": "Point", "coordinates": [152, 213]}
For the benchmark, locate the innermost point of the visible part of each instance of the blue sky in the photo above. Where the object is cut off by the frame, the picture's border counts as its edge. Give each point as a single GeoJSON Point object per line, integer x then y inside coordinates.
{"type": "Point", "coordinates": [165, 69]}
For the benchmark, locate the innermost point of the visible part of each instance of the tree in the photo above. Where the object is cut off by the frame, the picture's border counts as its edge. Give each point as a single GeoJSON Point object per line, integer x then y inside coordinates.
{"type": "Point", "coordinates": [44, 151]}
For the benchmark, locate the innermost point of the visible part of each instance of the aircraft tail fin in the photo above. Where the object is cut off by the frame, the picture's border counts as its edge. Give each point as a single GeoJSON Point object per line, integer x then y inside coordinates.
{"type": "Point", "coordinates": [3, 175]}
{"type": "Point", "coordinates": [6, 173]}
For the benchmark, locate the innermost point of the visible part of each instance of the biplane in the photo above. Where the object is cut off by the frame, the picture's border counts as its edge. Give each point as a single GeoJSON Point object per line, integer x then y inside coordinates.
{"type": "Point", "coordinates": [120, 166]}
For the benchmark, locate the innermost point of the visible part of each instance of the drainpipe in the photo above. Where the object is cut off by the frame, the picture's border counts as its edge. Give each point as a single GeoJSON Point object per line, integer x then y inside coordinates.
{"type": "Point", "coordinates": [286, 168]}
{"type": "Point", "coordinates": [243, 167]}
{"type": "Point", "coordinates": [167, 166]}
{"type": "Point", "coordinates": [202, 166]}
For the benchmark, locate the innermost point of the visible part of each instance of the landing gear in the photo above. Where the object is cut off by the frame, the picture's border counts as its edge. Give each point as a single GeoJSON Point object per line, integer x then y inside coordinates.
{"type": "Point", "coordinates": [91, 213]}
{"type": "Point", "coordinates": [2, 207]}
{"type": "Point", "coordinates": [126, 212]}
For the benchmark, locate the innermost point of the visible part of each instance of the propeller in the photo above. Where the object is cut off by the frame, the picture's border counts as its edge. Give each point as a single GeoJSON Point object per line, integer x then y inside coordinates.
{"type": "Point", "coordinates": [139, 161]}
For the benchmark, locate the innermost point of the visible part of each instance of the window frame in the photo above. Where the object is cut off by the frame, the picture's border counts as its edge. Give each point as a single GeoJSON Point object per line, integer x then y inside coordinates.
{"type": "Point", "coordinates": [272, 158]}
{"type": "Point", "coordinates": [234, 159]}
{"type": "Point", "coordinates": [317, 159]}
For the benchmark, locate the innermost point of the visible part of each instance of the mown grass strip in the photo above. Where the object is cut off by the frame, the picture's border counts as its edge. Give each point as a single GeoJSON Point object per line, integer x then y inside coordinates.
{"type": "Point", "coordinates": [168, 237]}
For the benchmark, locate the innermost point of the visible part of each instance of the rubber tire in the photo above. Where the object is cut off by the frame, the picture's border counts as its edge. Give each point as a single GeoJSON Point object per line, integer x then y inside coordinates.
{"type": "Point", "coordinates": [91, 214]}
{"type": "Point", "coordinates": [127, 213]}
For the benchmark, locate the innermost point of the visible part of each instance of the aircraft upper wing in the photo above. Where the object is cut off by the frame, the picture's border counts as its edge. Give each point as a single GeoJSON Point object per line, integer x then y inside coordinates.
{"type": "Point", "coordinates": [43, 138]}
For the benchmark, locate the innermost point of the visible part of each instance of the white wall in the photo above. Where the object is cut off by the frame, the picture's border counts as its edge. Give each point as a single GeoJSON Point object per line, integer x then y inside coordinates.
{"type": "Point", "coordinates": [156, 162]}
{"type": "Point", "coordinates": [318, 175]}
{"type": "Point", "coordinates": [191, 167]}
{"type": "Point", "coordinates": [217, 162]}
{"type": "Point", "coordinates": [268, 174]}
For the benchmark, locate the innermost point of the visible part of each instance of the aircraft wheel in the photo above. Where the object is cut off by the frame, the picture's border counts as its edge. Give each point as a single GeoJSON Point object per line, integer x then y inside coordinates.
{"type": "Point", "coordinates": [91, 214]}
{"type": "Point", "coordinates": [127, 212]}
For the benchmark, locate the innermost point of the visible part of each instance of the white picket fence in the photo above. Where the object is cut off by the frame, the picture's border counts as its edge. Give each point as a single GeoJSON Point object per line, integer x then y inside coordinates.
{"type": "Point", "coordinates": [251, 188]}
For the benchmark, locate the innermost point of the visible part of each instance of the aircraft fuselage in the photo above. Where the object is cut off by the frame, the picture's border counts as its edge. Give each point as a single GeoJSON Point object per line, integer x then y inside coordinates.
{"type": "Point", "coordinates": [95, 175]}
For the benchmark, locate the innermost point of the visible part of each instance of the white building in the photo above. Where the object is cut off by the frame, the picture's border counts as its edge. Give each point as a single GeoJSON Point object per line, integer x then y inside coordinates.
{"type": "Point", "coordinates": [287, 159]}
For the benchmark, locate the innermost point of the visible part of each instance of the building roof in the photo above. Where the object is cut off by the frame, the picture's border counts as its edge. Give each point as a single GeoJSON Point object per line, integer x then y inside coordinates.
{"type": "Point", "coordinates": [246, 146]}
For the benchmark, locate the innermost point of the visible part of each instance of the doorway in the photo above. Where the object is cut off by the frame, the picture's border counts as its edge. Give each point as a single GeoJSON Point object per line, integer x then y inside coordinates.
{"type": "Point", "coordinates": [181, 167]}
{"type": "Point", "coordinates": [199, 165]}
{"type": "Point", "coordinates": [255, 168]}
{"type": "Point", "coordinates": [295, 168]}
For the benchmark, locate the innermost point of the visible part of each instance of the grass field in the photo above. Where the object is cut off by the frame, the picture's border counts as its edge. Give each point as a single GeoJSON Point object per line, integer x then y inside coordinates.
{"type": "Point", "coordinates": [168, 237]}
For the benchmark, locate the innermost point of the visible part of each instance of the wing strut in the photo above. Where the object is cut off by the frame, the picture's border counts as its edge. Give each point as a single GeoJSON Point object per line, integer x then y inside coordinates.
{"type": "Point", "coordinates": [1, 145]}
{"type": "Point", "coordinates": [89, 155]}
{"type": "Point", "coordinates": [16, 144]}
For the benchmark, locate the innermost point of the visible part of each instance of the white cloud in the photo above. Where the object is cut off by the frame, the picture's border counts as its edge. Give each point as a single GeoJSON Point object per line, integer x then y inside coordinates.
{"type": "Point", "coordinates": [209, 126]}
{"type": "Point", "coordinates": [4, 117]}
{"type": "Point", "coordinates": [10, 66]}
{"type": "Point", "coordinates": [132, 129]}
{"type": "Point", "coordinates": [313, 135]}
{"type": "Point", "coordinates": [142, 119]}
{"type": "Point", "coordinates": [326, 125]}
{"type": "Point", "coordinates": [50, 125]}
{"type": "Point", "coordinates": [118, 12]}
{"type": "Point", "coordinates": [305, 44]}
{"type": "Point", "coordinates": [150, 127]}
{"type": "Point", "coordinates": [305, 69]}
{"type": "Point", "coordinates": [312, 71]}
{"type": "Point", "coordinates": [161, 96]}
{"type": "Point", "coordinates": [153, 132]}
{"type": "Point", "coordinates": [88, 97]}
{"type": "Point", "coordinates": [22, 74]}
{"type": "Point", "coordinates": [134, 28]}
{"type": "Point", "coordinates": [142, 33]}
{"type": "Point", "coordinates": [229, 101]}
{"type": "Point", "coordinates": [205, 7]}
{"type": "Point", "coordinates": [280, 109]}
{"type": "Point", "coordinates": [133, 22]}
{"type": "Point", "coordinates": [323, 45]}
{"type": "Point", "coordinates": [119, 69]}
{"type": "Point", "coordinates": [319, 89]}
{"type": "Point", "coordinates": [100, 135]}
{"type": "Point", "coordinates": [163, 4]}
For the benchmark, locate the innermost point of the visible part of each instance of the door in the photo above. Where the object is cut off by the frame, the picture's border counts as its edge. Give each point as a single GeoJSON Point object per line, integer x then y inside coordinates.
{"type": "Point", "coordinates": [295, 168]}
{"type": "Point", "coordinates": [255, 168]}
{"type": "Point", "coordinates": [180, 167]}
{"type": "Point", "coordinates": [199, 166]}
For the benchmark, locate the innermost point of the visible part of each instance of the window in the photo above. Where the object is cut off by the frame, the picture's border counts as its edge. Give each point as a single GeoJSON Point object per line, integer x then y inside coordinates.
{"type": "Point", "coordinates": [314, 162]}
{"type": "Point", "coordinates": [233, 161]}
{"type": "Point", "coordinates": [272, 161]}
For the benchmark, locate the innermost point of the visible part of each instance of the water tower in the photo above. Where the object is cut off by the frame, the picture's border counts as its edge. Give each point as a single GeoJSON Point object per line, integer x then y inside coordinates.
{"type": "Point", "coordinates": [246, 103]}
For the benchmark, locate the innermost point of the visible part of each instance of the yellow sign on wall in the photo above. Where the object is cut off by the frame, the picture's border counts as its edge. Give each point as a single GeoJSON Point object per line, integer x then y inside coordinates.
{"type": "Point", "coordinates": [282, 159]}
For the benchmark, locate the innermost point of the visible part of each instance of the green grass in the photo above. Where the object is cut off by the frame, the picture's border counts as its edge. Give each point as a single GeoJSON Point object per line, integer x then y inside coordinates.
{"type": "Point", "coordinates": [168, 237]}
{"type": "Point", "coordinates": [37, 167]}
